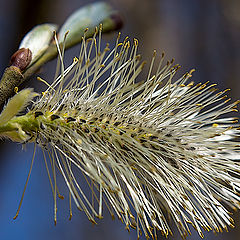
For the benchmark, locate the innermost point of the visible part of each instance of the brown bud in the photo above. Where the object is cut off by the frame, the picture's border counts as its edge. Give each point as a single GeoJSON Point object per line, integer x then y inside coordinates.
{"type": "Point", "coordinates": [21, 58]}
{"type": "Point", "coordinates": [118, 21]}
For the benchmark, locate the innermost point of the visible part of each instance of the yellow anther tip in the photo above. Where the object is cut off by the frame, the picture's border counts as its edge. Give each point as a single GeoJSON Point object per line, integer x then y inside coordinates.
{"type": "Point", "coordinates": [16, 89]}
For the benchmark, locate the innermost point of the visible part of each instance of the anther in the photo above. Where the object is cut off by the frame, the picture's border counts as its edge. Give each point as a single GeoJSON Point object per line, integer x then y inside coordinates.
{"type": "Point", "coordinates": [141, 140]}
{"type": "Point", "coordinates": [82, 120]}
{"type": "Point", "coordinates": [117, 123]}
{"type": "Point", "coordinates": [133, 135]}
{"type": "Point", "coordinates": [70, 119]}
{"type": "Point", "coordinates": [151, 138]}
{"type": "Point", "coordinates": [54, 117]}
{"type": "Point", "coordinates": [96, 130]}
{"type": "Point", "coordinates": [86, 130]}
{"type": "Point", "coordinates": [37, 114]}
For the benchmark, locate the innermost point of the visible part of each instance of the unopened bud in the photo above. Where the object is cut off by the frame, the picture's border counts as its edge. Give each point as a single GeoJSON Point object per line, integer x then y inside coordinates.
{"type": "Point", "coordinates": [21, 58]}
{"type": "Point", "coordinates": [38, 39]}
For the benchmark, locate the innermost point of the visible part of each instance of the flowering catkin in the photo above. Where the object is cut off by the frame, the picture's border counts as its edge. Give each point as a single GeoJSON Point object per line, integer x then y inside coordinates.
{"type": "Point", "coordinates": [150, 150]}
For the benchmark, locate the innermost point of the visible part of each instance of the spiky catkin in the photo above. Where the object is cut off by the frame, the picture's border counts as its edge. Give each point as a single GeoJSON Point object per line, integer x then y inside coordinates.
{"type": "Point", "coordinates": [149, 149]}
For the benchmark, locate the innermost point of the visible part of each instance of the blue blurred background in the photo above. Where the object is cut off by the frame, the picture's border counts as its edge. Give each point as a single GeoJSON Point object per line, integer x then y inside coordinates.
{"type": "Point", "coordinates": [200, 34]}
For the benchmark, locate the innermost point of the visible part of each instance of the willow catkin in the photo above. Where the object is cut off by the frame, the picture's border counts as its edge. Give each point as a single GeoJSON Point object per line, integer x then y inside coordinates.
{"type": "Point", "coordinates": [150, 150]}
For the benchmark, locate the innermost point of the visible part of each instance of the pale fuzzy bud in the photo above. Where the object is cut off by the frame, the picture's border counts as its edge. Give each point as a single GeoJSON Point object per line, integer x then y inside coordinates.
{"type": "Point", "coordinates": [38, 39]}
{"type": "Point", "coordinates": [89, 16]}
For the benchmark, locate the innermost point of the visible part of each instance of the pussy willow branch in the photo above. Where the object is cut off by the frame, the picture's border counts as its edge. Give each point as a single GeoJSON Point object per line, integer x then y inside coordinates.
{"type": "Point", "coordinates": [14, 77]}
